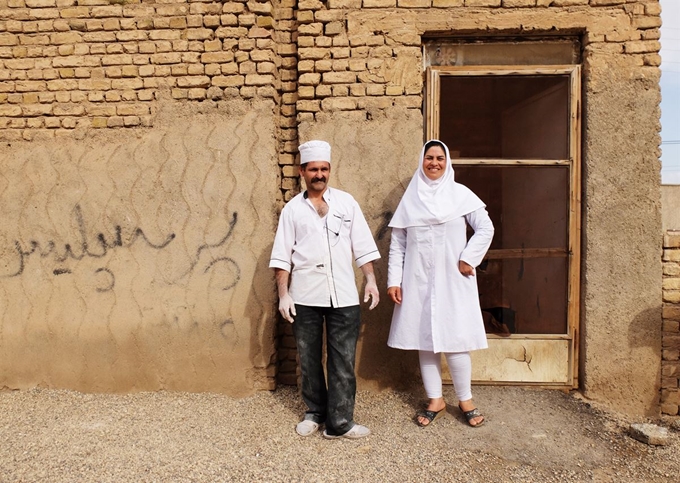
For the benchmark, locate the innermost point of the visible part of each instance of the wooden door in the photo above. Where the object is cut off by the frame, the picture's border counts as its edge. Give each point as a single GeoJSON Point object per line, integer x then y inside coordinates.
{"type": "Point", "coordinates": [514, 134]}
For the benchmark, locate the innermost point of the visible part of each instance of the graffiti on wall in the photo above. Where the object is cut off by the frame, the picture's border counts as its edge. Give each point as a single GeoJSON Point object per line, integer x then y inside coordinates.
{"type": "Point", "coordinates": [67, 254]}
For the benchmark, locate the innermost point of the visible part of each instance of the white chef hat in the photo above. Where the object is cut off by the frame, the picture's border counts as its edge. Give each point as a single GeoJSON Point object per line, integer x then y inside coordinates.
{"type": "Point", "coordinates": [315, 151]}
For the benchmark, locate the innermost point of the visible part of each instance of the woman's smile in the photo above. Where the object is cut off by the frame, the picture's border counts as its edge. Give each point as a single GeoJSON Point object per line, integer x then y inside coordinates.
{"type": "Point", "coordinates": [434, 163]}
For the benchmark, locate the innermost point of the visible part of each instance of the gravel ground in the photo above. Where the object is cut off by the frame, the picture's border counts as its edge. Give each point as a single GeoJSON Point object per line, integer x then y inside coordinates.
{"type": "Point", "coordinates": [529, 436]}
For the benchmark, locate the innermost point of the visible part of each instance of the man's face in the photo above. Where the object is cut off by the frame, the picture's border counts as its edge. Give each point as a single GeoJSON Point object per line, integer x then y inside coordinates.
{"type": "Point", "coordinates": [316, 174]}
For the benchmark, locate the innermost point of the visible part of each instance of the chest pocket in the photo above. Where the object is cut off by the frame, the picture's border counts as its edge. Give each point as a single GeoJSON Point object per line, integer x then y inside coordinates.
{"type": "Point", "coordinates": [338, 224]}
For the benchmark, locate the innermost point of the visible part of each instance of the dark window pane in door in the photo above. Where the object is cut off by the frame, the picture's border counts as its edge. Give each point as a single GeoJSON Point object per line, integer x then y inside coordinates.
{"type": "Point", "coordinates": [524, 295]}
{"type": "Point", "coordinates": [528, 205]}
{"type": "Point", "coordinates": [506, 117]}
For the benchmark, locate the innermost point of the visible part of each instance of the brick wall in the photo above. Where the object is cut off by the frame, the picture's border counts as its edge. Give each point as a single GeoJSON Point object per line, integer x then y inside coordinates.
{"type": "Point", "coordinates": [670, 366]}
{"type": "Point", "coordinates": [71, 66]}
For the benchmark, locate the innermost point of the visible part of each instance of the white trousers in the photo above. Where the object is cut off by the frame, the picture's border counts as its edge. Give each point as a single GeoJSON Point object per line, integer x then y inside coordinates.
{"type": "Point", "coordinates": [460, 368]}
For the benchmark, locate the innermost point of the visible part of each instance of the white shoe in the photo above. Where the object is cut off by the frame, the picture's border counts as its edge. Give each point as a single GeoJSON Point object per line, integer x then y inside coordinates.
{"type": "Point", "coordinates": [307, 427]}
{"type": "Point", "coordinates": [357, 431]}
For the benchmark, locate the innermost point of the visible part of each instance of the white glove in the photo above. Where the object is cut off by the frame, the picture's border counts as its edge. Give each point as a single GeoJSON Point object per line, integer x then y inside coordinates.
{"type": "Point", "coordinates": [371, 291]}
{"type": "Point", "coordinates": [287, 307]}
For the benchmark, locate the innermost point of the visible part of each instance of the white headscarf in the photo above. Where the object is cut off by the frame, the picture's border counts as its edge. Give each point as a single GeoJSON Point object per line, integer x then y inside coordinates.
{"type": "Point", "coordinates": [428, 202]}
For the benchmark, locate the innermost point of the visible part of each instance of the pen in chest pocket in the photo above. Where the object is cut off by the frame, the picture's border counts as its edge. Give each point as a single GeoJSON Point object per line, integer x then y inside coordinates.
{"type": "Point", "coordinates": [334, 223]}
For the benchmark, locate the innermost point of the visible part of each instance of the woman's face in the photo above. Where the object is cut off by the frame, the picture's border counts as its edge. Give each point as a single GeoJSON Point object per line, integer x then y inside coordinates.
{"type": "Point", "coordinates": [434, 163]}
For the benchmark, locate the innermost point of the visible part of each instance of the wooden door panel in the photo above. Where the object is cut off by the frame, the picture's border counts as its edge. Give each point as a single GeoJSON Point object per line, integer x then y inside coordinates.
{"type": "Point", "coordinates": [528, 361]}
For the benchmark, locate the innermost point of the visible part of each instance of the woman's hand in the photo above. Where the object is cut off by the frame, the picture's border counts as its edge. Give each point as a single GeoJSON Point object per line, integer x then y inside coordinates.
{"type": "Point", "coordinates": [465, 269]}
{"type": "Point", "coordinates": [395, 294]}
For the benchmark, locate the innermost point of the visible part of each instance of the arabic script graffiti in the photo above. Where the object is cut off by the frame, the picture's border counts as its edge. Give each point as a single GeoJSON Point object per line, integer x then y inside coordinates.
{"type": "Point", "coordinates": [83, 248]}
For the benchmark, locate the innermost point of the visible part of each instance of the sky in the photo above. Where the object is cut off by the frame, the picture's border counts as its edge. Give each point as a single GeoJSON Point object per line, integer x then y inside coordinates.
{"type": "Point", "coordinates": [670, 92]}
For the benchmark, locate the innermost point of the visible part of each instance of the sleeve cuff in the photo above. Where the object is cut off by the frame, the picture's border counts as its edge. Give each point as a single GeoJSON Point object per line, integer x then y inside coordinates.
{"type": "Point", "coordinates": [276, 263]}
{"type": "Point", "coordinates": [368, 257]}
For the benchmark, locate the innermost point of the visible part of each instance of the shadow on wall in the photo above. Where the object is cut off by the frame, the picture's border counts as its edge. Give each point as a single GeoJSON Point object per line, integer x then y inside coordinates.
{"type": "Point", "coordinates": [377, 364]}
{"type": "Point", "coordinates": [263, 322]}
{"type": "Point", "coordinates": [644, 332]}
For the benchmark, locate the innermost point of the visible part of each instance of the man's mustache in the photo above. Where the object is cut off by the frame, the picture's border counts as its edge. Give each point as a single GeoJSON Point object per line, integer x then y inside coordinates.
{"type": "Point", "coordinates": [316, 180]}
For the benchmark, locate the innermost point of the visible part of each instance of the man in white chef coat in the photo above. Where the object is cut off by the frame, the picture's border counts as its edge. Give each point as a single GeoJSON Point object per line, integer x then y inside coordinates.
{"type": "Point", "coordinates": [321, 233]}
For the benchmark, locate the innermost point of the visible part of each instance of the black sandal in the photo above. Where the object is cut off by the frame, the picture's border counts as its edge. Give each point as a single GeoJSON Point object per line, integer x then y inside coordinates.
{"type": "Point", "coordinates": [431, 416]}
{"type": "Point", "coordinates": [472, 414]}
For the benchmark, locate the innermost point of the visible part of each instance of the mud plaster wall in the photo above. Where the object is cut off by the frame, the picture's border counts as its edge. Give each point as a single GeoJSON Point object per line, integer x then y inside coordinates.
{"type": "Point", "coordinates": [162, 120]}
{"type": "Point", "coordinates": [622, 223]}
{"type": "Point", "coordinates": [138, 260]}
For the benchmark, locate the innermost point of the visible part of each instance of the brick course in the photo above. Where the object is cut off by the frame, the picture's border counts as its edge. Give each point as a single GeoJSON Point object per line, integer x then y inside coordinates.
{"type": "Point", "coordinates": [670, 365]}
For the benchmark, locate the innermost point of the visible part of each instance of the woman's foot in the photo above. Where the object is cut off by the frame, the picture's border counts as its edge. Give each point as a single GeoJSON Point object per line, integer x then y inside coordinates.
{"type": "Point", "coordinates": [472, 414]}
{"type": "Point", "coordinates": [436, 408]}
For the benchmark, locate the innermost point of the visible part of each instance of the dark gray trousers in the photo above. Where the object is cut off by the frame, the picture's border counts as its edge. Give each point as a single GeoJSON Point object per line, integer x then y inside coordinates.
{"type": "Point", "coordinates": [332, 403]}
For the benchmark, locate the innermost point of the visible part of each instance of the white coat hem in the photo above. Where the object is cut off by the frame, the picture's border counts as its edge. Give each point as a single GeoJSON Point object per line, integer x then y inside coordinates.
{"type": "Point", "coordinates": [457, 349]}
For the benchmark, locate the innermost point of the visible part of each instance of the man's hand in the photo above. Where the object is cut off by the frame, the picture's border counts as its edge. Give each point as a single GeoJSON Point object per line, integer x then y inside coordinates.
{"type": "Point", "coordinates": [395, 294]}
{"type": "Point", "coordinates": [466, 269]}
{"type": "Point", "coordinates": [371, 292]}
{"type": "Point", "coordinates": [371, 289]}
{"type": "Point", "coordinates": [286, 304]}
{"type": "Point", "coordinates": [287, 308]}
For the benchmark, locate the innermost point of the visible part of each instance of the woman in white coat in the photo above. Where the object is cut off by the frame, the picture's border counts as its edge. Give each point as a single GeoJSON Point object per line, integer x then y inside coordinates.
{"type": "Point", "coordinates": [431, 279]}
